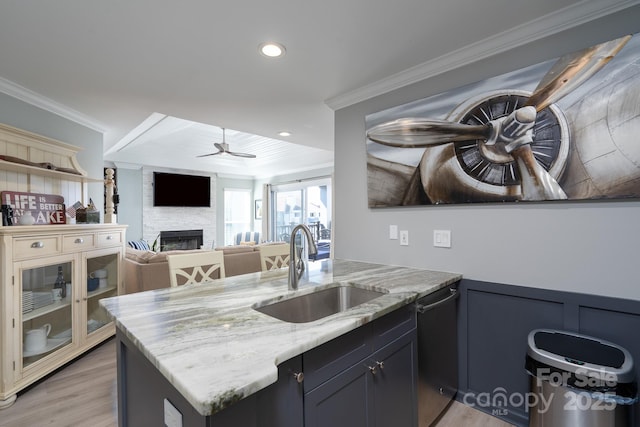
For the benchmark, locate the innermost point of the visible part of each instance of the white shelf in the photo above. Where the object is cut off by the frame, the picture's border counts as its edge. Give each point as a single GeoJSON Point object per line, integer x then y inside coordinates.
{"type": "Point", "coordinates": [49, 308]}
{"type": "Point", "coordinates": [101, 291]}
{"type": "Point", "coordinates": [17, 167]}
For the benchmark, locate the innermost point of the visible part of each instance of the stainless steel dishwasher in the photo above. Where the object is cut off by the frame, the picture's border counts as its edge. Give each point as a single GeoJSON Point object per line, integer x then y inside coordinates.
{"type": "Point", "coordinates": [437, 353]}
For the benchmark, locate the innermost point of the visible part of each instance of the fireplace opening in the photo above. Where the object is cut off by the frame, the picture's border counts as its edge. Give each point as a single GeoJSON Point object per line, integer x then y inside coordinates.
{"type": "Point", "coordinates": [180, 240]}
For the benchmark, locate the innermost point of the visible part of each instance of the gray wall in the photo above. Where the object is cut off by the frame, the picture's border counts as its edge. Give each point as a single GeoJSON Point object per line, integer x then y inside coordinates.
{"type": "Point", "coordinates": [19, 114]}
{"type": "Point", "coordinates": [131, 196]}
{"type": "Point", "coordinates": [581, 247]}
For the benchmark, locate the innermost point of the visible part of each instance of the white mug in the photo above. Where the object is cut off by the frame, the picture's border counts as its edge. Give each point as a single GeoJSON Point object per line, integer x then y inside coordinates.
{"type": "Point", "coordinates": [36, 339]}
{"type": "Point", "coordinates": [103, 283]}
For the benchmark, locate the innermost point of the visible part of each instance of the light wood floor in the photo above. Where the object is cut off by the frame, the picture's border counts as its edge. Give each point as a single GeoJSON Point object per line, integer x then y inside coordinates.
{"type": "Point", "coordinates": [460, 415]}
{"type": "Point", "coordinates": [81, 394]}
{"type": "Point", "coordinates": [84, 394]}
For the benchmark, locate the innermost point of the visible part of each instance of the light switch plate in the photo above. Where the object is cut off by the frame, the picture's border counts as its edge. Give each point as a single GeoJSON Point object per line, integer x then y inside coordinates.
{"type": "Point", "coordinates": [442, 238]}
{"type": "Point", "coordinates": [172, 417]}
{"type": "Point", "coordinates": [404, 238]}
{"type": "Point", "coordinates": [393, 232]}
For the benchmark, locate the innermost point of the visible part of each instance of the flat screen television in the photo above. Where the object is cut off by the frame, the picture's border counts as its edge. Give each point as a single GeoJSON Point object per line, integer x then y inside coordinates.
{"type": "Point", "coordinates": [171, 189]}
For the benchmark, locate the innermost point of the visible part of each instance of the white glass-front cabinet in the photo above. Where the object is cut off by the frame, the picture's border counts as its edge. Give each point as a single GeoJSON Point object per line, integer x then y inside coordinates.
{"type": "Point", "coordinates": [54, 278]}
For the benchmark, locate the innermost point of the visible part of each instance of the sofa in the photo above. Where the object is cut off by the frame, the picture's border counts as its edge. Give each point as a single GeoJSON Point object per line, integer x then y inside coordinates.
{"type": "Point", "coordinates": [146, 270]}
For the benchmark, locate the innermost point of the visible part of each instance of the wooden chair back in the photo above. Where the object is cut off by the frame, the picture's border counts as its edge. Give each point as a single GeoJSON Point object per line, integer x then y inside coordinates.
{"type": "Point", "coordinates": [273, 257]}
{"type": "Point", "coordinates": [192, 267]}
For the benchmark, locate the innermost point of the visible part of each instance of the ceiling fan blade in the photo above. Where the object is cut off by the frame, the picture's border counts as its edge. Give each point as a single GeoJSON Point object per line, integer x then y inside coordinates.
{"type": "Point", "coordinates": [417, 132]}
{"type": "Point", "coordinates": [246, 155]}
{"type": "Point", "coordinates": [221, 148]}
{"type": "Point", "coordinates": [210, 154]}
{"type": "Point", "coordinates": [573, 69]}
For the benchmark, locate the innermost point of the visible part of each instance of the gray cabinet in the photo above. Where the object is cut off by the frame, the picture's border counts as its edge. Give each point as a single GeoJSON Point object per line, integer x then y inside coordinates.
{"type": "Point", "coordinates": [365, 378]}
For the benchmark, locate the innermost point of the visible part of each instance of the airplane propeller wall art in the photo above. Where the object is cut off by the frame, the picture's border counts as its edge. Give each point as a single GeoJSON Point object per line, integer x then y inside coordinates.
{"type": "Point", "coordinates": [567, 129]}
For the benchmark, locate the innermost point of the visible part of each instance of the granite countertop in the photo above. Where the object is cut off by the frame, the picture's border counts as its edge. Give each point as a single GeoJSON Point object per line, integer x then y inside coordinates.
{"type": "Point", "coordinates": [215, 349]}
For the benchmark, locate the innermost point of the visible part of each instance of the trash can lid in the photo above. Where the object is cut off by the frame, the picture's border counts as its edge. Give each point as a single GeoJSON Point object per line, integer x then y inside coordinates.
{"type": "Point", "coordinates": [574, 352]}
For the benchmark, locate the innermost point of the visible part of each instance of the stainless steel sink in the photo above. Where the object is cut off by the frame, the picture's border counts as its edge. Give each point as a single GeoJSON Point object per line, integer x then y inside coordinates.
{"type": "Point", "coordinates": [317, 304]}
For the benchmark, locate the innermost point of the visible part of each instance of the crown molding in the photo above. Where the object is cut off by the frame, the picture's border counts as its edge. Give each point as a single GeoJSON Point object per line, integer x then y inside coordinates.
{"type": "Point", "coordinates": [30, 97]}
{"type": "Point", "coordinates": [553, 23]}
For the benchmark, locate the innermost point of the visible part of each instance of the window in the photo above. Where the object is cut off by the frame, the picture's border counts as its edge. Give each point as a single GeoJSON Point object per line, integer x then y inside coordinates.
{"type": "Point", "coordinates": [237, 213]}
{"type": "Point", "coordinates": [306, 202]}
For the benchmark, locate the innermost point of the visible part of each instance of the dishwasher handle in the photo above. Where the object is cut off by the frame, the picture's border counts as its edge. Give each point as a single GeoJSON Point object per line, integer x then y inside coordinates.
{"type": "Point", "coordinates": [422, 308]}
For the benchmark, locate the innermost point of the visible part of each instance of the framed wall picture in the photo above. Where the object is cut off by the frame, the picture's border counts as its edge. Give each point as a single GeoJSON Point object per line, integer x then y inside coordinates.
{"type": "Point", "coordinates": [564, 129]}
{"type": "Point", "coordinates": [258, 209]}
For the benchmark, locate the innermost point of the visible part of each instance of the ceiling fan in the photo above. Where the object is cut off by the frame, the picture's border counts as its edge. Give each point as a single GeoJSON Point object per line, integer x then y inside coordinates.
{"type": "Point", "coordinates": [223, 148]}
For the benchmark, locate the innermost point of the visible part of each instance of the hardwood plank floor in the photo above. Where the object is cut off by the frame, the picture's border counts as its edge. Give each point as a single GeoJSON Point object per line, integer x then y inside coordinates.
{"type": "Point", "coordinates": [461, 415]}
{"type": "Point", "coordinates": [83, 394]}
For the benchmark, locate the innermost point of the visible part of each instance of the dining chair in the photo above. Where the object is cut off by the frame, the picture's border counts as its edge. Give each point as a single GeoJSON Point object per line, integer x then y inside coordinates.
{"type": "Point", "coordinates": [195, 267]}
{"type": "Point", "coordinates": [273, 257]}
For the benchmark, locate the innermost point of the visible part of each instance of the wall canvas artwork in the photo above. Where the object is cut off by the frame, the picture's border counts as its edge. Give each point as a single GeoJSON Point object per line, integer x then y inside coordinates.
{"type": "Point", "coordinates": [564, 129]}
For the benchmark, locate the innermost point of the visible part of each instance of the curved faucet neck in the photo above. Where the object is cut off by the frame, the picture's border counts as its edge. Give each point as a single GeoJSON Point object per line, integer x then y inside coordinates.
{"type": "Point", "coordinates": [296, 266]}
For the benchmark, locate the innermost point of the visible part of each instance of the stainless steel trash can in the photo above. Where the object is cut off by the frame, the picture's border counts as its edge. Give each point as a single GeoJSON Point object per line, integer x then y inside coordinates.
{"type": "Point", "coordinates": [577, 380]}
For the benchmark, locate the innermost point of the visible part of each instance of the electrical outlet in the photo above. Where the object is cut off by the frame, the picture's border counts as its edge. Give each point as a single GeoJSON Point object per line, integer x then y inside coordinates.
{"type": "Point", "coordinates": [393, 232]}
{"type": "Point", "coordinates": [172, 417]}
{"type": "Point", "coordinates": [404, 238]}
{"type": "Point", "coordinates": [442, 238]}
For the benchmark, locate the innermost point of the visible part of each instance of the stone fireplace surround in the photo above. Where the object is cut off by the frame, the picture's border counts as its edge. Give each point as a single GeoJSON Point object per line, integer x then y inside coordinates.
{"type": "Point", "coordinates": [156, 219]}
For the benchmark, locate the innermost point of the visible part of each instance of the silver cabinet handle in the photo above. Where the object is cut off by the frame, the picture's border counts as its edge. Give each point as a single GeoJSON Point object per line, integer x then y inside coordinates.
{"type": "Point", "coordinates": [373, 369]}
{"type": "Point", "coordinates": [37, 245]}
{"type": "Point", "coordinates": [299, 377]}
{"type": "Point", "coordinates": [109, 237]}
{"type": "Point", "coordinates": [79, 240]}
{"type": "Point", "coordinates": [380, 365]}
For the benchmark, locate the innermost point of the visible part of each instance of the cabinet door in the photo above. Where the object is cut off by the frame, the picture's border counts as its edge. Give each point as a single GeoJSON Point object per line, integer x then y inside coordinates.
{"type": "Point", "coordinates": [100, 279]}
{"type": "Point", "coordinates": [280, 404]}
{"type": "Point", "coordinates": [343, 401]}
{"type": "Point", "coordinates": [46, 313]}
{"type": "Point", "coordinates": [395, 383]}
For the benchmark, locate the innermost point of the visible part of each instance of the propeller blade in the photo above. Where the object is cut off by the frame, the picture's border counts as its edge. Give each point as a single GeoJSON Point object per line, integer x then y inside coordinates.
{"type": "Point", "coordinates": [536, 183]}
{"type": "Point", "coordinates": [246, 155]}
{"type": "Point", "coordinates": [417, 132]}
{"type": "Point", "coordinates": [573, 69]}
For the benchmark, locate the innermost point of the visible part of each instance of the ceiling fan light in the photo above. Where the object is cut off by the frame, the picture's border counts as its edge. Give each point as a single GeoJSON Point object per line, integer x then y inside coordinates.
{"type": "Point", "coordinates": [272, 49]}
{"type": "Point", "coordinates": [284, 133]}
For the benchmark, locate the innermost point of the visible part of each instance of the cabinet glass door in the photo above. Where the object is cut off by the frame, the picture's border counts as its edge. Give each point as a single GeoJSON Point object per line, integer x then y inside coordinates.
{"type": "Point", "coordinates": [46, 303]}
{"type": "Point", "coordinates": [101, 282]}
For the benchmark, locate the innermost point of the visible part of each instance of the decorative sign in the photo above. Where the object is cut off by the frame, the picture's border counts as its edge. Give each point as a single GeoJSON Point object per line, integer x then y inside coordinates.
{"type": "Point", "coordinates": [45, 208]}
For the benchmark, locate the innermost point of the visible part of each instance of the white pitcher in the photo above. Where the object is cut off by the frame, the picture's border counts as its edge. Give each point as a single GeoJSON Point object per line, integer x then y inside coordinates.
{"type": "Point", "coordinates": [36, 339]}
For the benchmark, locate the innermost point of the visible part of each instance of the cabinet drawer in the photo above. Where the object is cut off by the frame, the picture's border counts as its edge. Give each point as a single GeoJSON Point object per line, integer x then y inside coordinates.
{"type": "Point", "coordinates": [31, 247]}
{"type": "Point", "coordinates": [333, 357]}
{"type": "Point", "coordinates": [77, 242]}
{"type": "Point", "coordinates": [112, 238]}
{"type": "Point", "coordinates": [390, 326]}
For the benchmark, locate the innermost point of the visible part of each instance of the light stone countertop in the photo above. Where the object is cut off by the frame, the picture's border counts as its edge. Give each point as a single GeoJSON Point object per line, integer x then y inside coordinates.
{"type": "Point", "coordinates": [215, 349]}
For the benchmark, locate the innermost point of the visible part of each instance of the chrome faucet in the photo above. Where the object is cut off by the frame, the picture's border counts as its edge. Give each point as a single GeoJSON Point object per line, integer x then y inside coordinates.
{"type": "Point", "coordinates": [296, 267]}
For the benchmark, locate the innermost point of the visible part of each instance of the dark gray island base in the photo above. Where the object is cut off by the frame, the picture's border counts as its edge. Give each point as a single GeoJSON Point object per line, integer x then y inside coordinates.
{"type": "Point", "coordinates": [365, 377]}
{"type": "Point", "coordinates": [206, 355]}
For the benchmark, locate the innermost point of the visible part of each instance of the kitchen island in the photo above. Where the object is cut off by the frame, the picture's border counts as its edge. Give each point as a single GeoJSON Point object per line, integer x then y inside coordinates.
{"type": "Point", "coordinates": [215, 350]}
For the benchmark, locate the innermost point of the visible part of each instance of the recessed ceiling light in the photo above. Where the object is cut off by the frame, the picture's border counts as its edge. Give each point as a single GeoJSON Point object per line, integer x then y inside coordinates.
{"type": "Point", "coordinates": [284, 133]}
{"type": "Point", "coordinates": [272, 49]}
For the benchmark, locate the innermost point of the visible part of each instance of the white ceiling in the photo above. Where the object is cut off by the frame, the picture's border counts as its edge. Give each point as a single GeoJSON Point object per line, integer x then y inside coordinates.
{"type": "Point", "coordinates": [111, 65]}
